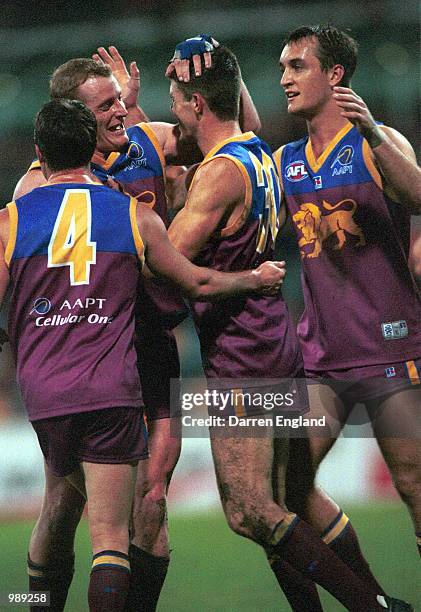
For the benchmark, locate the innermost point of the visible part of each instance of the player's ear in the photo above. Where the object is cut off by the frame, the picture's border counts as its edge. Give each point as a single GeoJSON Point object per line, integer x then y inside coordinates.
{"type": "Point", "coordinates": [336, 74]}
{"type": "Point", "coordinates": [38, 153]}
{"type": "Point", "coordinates": [199, 103]}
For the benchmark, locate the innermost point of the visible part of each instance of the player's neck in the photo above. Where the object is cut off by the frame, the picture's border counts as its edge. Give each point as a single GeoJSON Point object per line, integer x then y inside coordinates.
{"type": "Point", "coordinates": [323, 127]}
{"type": "Point", "coordinates": [215, 132]}
{"type": "Point", "coordinates": [74, 175]}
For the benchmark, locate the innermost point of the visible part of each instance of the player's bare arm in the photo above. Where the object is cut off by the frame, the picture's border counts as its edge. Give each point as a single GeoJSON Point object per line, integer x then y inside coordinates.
{"type": "Point", "coordinates": [392, 152]}
{"type": "Point", "coordinates": [215, 197]}
{"type": "Point", "coordinates": [197, 282]}
{"type": "Point", "coordinates": [129, 81]}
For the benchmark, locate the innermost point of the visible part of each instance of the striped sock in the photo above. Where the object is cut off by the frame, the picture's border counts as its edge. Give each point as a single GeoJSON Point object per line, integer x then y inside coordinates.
{"type": "Point", "coordinates": [109, 582]}
{"type": "Point", "coordinates": [55, 578]}
{"type": "Point", "coordinates": [342, 539]}
{"type": "Point", "coordinates": [299, 545]}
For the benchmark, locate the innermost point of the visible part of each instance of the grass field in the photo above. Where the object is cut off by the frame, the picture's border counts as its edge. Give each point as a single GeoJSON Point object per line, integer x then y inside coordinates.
{"type": "Point", "coordinates": [213, 570]}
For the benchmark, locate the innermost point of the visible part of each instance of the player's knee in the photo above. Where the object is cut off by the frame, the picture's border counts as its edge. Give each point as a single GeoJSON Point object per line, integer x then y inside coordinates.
{"type": "Point", "coordinates": [61, 516]}
{"type": "Point", "coordinates": [248, 523]}
{"type": "Point", "coordinates": [408, 482]}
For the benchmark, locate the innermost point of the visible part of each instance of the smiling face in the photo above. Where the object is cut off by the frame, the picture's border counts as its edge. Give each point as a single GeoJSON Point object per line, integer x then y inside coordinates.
{"type": "Point", "coordinates": [103, 96]}
{"type": "Point", "coordinates": [307, 87]}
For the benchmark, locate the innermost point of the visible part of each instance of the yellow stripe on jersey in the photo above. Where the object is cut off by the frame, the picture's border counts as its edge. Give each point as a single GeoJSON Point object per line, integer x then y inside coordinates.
{"type": "Point", "coordinates": [36, 165]}
{"type": "Point", "coordinates": [152, 137]}
{"type": "Point", "coordinates": [316, 164]}
{"type": "Point", "coordinates": [140, 247]}
{"type": "Point", "coordinates": [98, 159]}
{"type": "Point", "coordinates": [277, 156]}
{"type": "Point", "coordinates": [110, 559]}
{"type": "Point", "coordinates": [336, 530]}
{"type": "Point", "coordinates": [13, 230]}
{"type": "Point", "coordinates": [239, 138]}
{"type": "Point", "coordinates": [413, 373]}
{"type": "Point", "coordinates": [238, 397]}
{"type": "Point", "coordinates": [370, 165]}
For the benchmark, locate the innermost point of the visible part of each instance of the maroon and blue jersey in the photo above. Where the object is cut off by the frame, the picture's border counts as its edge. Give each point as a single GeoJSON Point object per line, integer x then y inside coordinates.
{"type": "Point", "coordinates": [74, 257]}
{"type": "Point", "coordinates": [140, 171]}
{"type": "Point", "coordinates": [361, 303]}
{"type": "Point", "coordinates": [249, 336]}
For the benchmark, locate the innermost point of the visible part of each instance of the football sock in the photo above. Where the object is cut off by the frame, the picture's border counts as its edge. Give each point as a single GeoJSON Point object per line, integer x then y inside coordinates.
{"type": "Point", "coordinates": [147, 579]}
{"type": "Point", "coordinates": [297, 543]}
{"type": "Point", "coordinates": [109, 582]}
{"type": "Point", "coordinates": [55, 578]}
{"type": "Point", "coordinates": [300, 592]}
{"type": "Point", "coordinates": [418, 536]}
{"type": "Point", "coordinates": [342, 539]}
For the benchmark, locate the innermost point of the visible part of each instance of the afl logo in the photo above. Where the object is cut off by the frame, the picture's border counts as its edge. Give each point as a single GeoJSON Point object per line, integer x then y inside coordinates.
{"type": "Point", "coordinates": [344, 157]}
{"type": "Point", "coordinates": [296, 171]}
{"type": "Point", "coordinates": [135, 151]}
{"type": "Point", "coordinates": [41, 306]}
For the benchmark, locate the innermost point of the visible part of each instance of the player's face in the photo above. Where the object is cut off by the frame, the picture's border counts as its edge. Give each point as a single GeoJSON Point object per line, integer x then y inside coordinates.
{"type": "Point", "coordinates": [306, 86]}
{"type": "Point", "coordinates": [103, 96]}
{"type": "Point", "coordinates": [183, 111]}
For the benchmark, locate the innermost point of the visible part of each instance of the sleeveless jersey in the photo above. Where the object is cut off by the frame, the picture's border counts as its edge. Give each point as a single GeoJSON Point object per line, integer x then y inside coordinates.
{"type": "Point", "coordinates": [247, 336]}
{"type": "Point", "coordinates": [361, 303]}
{"type": "Point", "coordinates": [74, 279]}
{"type": "Point", "coordinates": [140, 171]}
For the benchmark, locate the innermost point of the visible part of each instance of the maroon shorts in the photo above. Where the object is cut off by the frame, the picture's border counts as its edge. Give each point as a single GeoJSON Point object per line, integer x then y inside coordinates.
{"type": "Point", "coordinates": [112, 435]}
{"type": "Point", "coordinates": [369, 384]}
{"type": "Point", "coordinates": [158, 363]}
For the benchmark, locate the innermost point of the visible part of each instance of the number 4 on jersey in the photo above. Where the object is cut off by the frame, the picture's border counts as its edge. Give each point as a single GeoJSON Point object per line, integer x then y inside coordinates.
{"type": "Point", "coordinates": [70, 243]}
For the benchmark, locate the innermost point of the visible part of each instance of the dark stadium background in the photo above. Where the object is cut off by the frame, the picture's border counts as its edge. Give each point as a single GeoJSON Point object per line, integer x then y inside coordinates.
{"type": "Point", "coordinates": [209, 571]}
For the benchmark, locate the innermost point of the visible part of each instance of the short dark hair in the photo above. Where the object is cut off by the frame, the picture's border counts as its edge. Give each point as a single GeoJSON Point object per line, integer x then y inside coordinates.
{"type": "Point", "coordinates": [65, 132]}
{"type": "Point", "coordinates": [334, 47]}
{"type": "Point", "coordinates": [219, 85]}
{"type": "Point", "coordinates": [67, 78]}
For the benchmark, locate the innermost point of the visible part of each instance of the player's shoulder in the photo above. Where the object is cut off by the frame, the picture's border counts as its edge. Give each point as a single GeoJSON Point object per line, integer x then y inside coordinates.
{"type": "Point", "coordinates": [30, 180]}
{"type": "Point", "coordinates": [219, 169]}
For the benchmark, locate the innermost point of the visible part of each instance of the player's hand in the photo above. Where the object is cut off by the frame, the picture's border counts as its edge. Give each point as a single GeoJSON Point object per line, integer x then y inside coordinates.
{"type": "Point", "coordinates": [3, 338]}
{"type": "Point", "coordinates": [128, 81]}
{"type": "Point", "coordinates": [270, 277]}
{"type": "Point", "coordinates": [194, 48]}
{"type": "Point", "coordinates": [356, 111]}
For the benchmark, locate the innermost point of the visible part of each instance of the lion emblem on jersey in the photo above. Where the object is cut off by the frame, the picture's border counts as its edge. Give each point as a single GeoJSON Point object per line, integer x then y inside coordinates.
{"type": "Point", "coordinates": [316, 227]}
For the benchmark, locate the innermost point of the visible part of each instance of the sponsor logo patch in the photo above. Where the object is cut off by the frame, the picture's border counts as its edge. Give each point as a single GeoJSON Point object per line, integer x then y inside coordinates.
{"type": "Point", "coordinates": [296, 171]}
{"type": "Point", "coordinates": [135, 151]}
{"type": "Point", "coordinates": [41, 306]}
{"type": "Point", "coordinates": [390, 372]}
{"type": "Point", "coordinates": [318, 182]}
{"type": "Point", "coordinates": [395, 330]}
{"type": "Point", "coordinates": [342, 164]}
